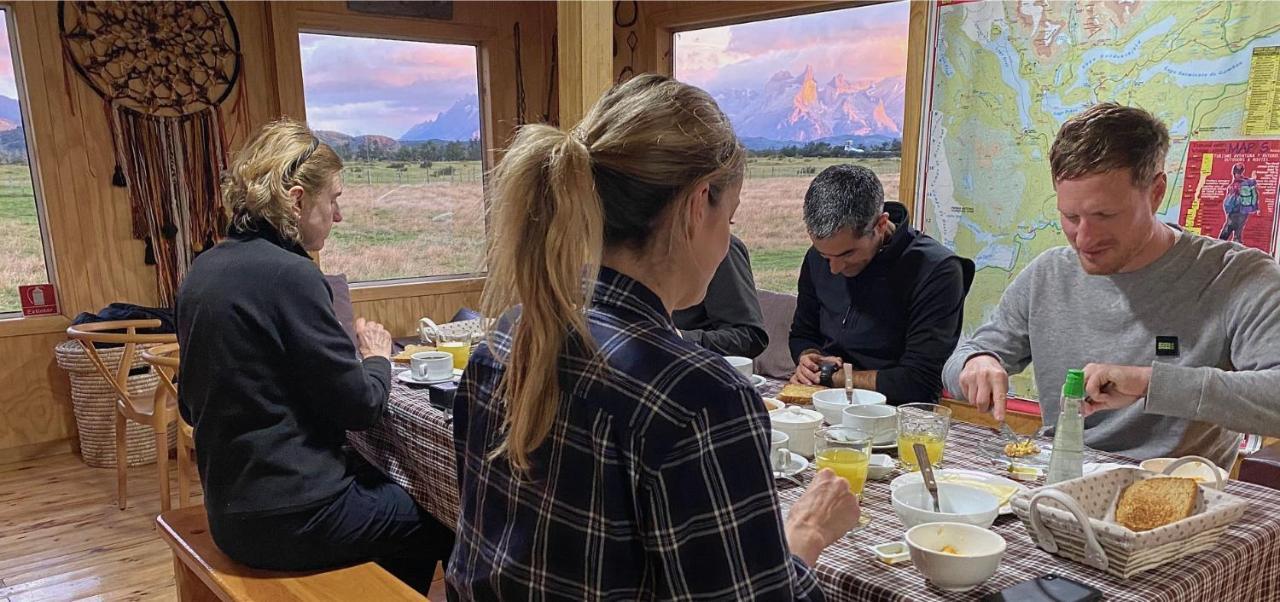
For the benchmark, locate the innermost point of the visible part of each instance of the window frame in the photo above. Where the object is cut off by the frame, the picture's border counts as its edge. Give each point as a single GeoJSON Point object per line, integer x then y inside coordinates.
{"type": "Point", "coordinates": [289, 22]}
{"type": "Point", "coordinates": [32, 324]}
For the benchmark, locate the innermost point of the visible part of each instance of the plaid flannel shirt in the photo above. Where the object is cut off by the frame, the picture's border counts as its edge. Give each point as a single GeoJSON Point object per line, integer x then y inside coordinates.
{"type": "Point", "coordinates": [654, 482]}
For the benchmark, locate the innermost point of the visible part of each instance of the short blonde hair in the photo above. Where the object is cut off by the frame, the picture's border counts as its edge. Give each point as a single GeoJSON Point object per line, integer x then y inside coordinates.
{"type": "Point", "coordinates": [1109, 136]}
{"type": "Point", "coordinates": [282, 154]}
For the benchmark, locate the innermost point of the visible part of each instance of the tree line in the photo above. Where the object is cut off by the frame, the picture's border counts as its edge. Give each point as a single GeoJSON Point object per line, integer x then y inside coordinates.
{"type": "Point", "coordinates": [892, 148]}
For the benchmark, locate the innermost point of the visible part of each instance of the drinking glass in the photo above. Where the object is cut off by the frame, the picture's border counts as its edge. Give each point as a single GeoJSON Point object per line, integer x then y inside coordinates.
{"type": "Point", "coordinates": [924, 423]}
{"type": "Point", "coordinates": [847, 452]}
{"type": "Point", "coordinates": [457, 345]}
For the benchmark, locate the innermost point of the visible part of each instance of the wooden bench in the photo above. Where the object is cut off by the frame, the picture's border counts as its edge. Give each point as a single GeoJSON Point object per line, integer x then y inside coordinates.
{"type": "Point", "coordinates": [204, 574]}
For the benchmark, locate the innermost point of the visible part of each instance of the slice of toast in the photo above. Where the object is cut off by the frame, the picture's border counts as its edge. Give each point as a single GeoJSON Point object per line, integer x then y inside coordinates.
{"type": "Point", "coordinates": [405, 356]}
{"type": "Point", "coordinates": [798, 394]}
{"type": "Point", "coordinates": [1152, 503]}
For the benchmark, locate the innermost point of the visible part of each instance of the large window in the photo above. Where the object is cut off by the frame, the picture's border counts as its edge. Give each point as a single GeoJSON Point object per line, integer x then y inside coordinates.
{"type": "Point", "coordinates": [405, 117]}
{"type": "Point", "coordinates": [803, 93]}
{"type": "Point", "coordinates": [22, 253]}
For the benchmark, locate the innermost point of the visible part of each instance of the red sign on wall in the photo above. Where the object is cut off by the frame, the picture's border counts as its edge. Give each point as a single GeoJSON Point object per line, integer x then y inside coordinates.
{"type": "Point", "coordinates": [38, 300]}
{"type": "Point", "coordinates": [1229, 191]}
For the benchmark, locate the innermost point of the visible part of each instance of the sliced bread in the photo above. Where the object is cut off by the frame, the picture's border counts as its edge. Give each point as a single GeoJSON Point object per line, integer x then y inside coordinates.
{"type": "Point", "coordinates": [798, 394]}
{"type": "Point", "coordinates": [1152, 503]}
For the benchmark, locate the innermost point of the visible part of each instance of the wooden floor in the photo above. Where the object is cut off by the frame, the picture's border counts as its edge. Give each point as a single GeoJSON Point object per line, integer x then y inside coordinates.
{"type": "Point", "coordinates": [63, 538]}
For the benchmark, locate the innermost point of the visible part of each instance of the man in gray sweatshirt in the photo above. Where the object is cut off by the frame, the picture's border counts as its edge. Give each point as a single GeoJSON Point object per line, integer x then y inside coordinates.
{"type": "Point", "coordinates": [1178, 334]}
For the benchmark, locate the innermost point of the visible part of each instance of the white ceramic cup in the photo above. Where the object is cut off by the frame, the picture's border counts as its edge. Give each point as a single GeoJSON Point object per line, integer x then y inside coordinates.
{"type": "Point", "coordinates": [779, 455]}
{"type": "Point", "coordinates": [431, 365]}
{"type": "Point", "coordinates": [741, 364]}
{"type": "Point", "coordinates": [879, 420]}
{"type": "Point", "coordinates": [800, 425]}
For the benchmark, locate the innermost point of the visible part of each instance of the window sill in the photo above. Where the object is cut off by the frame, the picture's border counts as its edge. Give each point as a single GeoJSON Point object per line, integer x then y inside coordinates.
{"type": "Point", "coordinates": [401, 289]}
{"type": "Point", "coordinates": [18, 326]}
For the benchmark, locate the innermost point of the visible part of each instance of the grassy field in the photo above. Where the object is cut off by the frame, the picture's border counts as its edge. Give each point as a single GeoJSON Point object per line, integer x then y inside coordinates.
{"type": "Point", "coordinates": [21, 250]}
{"type": "Point", "coordinates": [409, 221]}
{"type": "Point", "coordinates": [429, 224]}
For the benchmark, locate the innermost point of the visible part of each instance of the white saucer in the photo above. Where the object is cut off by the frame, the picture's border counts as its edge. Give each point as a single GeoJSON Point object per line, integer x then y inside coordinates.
{"type": "Point", "coordinates": [797, 465]}
{"type": "Point", "coordinates": [757, 380]}
{"type": "Point", "coordinates": [891, 445]}
{"type": "Point", "coordinates": [408, 378]}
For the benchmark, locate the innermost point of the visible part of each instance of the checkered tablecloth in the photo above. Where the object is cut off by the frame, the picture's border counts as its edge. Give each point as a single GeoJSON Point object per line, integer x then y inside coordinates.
{"type": "Point", "coordinates": [413, 443]}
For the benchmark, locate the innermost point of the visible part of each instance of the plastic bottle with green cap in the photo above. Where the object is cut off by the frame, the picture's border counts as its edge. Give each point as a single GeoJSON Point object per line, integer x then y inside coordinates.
{"type": "Point", "coordinates": [1067, 459]}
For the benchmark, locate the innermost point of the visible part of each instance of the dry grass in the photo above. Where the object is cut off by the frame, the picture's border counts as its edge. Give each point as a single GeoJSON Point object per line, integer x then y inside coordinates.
{"type": "Point", "coordinates": [433, 226]}
{"type": "Point", "coordinates": [21, 249]}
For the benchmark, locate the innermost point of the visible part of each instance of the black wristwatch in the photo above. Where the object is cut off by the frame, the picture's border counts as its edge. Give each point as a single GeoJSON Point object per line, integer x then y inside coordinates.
{"type": "Point", "coordinates": [825, 373]}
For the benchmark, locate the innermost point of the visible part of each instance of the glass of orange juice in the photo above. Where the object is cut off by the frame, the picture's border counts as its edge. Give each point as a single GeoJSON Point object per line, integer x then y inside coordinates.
{"type": "Point", "coordinates": [924, 423]}
{"type": "Point", "coordinates": [846, 451]}
{"type": "Point", "coordinates": [459, 346]}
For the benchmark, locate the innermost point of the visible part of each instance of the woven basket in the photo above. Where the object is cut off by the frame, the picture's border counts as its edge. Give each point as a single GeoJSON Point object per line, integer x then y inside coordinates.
{"type": "Point", "coordinates": [1075, 519]}
{"type": "Point", "coordinates": [93, 400]}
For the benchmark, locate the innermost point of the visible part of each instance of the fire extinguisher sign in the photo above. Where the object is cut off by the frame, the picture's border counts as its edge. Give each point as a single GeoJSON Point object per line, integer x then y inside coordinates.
{"type": "Point", "coordinates": [38, 300]}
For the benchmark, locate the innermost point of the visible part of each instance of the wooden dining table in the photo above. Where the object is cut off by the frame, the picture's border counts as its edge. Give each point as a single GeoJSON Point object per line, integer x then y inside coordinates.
{"type": "Point", "coordinates": [413, 443]}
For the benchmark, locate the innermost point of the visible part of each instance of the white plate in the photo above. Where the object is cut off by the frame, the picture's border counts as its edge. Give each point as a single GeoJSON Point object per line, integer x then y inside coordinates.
{"type": "Point", "coordinates": [795, 466]}
{"type": "Point", "coordinates": [757, 380]}
{"type": "Point", "coordinates": [976, 475]}
{"type": "Point", "coordinates": [407, 378]}
{"type": "Point", "coordinates": [892, 445]}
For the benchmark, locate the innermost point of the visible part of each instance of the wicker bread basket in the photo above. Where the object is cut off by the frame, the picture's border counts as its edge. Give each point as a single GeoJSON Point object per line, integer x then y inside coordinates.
{"type": "Point", "coordinates": [1075, 519]}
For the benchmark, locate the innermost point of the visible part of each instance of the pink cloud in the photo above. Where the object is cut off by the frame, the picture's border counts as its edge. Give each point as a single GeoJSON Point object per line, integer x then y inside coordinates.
{"type": "Point", "coordinates": [376, 86]}
{"type": "Point", "coordinates": [860, 43]}
{"type": "Point", "coordinates": [8, 83]}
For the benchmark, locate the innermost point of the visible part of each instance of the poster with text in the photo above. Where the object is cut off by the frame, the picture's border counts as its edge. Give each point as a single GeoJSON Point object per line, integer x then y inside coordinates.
{"type": "Point", "coordinates": [1229, 191]}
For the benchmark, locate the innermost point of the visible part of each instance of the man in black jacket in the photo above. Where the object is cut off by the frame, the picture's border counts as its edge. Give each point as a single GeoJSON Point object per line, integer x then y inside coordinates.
{"type": "Point", "coordinates": [874, 292]}
{"type": "Point", "coordinates": [729, 320]}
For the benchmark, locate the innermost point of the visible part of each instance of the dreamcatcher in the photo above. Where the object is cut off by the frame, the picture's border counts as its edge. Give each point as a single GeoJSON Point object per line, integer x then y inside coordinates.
{"type": "Point", "coordinates": [162, 69]}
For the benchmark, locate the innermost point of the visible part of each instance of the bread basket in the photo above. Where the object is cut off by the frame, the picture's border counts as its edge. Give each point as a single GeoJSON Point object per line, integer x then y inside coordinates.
{"type": "Point", "coordinates": [1075, 519]}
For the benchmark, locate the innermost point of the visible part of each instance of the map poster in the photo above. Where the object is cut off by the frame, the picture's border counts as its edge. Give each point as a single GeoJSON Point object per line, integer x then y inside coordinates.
{"type": "Point", "coordinates": [1229, 191]}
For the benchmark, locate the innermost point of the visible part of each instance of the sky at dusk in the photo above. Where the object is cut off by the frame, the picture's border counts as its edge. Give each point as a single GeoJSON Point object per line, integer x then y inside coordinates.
{"type": "Point", "coordinates": [868, 42]}
{"type": "Point", "coordinates": [8, 85]}
{"type": "Point", "coordinates": [372, 86]}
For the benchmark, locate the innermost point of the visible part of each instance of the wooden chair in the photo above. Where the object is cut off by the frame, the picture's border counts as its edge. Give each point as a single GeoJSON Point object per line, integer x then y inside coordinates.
{"type": "Point", "coordinates": [203, 573]}
{"type": "Point", "coordinates": [164, 359]}
{"type": "Point", "coordinates": [142, 409]}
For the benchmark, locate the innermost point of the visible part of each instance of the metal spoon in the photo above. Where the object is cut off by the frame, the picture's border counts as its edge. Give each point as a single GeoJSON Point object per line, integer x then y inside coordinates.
{"type": "Point", "coordinates": [926, 470]}
{"type": "Point", "coordinates": [848, 381]}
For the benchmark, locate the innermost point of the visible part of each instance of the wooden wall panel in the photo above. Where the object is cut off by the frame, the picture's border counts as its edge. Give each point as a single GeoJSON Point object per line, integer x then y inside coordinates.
{"type": "Point", "coordinates": [95, 259]}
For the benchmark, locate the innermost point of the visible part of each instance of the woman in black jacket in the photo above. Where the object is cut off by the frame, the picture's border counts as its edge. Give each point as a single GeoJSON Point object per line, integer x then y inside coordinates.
{"type": "Point", "coordinates": [271, 381]}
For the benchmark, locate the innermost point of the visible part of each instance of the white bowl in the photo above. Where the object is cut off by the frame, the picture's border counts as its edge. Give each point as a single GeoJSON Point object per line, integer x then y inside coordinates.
{"type": "Point", "coordinates": [741, 364]}
{"type": "Point", "coordinates": [959, 504]}
{"type": "Point", "coordinates": [831, 402]}
{"type": "Point", "coordinates": [1200, 471]}
{"type": "Point", "coordinates": [978, 554]}
{"type": "Point", "coordinates": [880, 466]}
{"type": "Point", "coordinates": [878, 419]}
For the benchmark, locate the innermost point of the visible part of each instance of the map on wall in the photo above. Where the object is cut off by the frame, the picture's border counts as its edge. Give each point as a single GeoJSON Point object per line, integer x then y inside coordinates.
{"type": "Point", "coordinates": [1004, 76]}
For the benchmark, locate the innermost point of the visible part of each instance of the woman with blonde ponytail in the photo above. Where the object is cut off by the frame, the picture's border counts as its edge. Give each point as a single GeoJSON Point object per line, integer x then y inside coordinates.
{"type": "Point", "coordinates": [271, 381]}
{"type": "Point", "coordinates": [588, 431]}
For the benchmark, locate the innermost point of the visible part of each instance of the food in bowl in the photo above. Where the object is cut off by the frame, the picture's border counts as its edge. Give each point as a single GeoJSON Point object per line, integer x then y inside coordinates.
{"type": "Point", "coordinates": [958, 504]}
{"type": "Point", "coordinates": [1152, 503]}
{"type": "Point", "coordinates": [955, 557]}
{"type": "Point", "coordinates": [798, 394]}
{"type": "Point", "coordinates": [771, 404]}
{"type": "Point", "coordinates": [1021, 449]}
